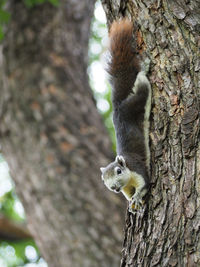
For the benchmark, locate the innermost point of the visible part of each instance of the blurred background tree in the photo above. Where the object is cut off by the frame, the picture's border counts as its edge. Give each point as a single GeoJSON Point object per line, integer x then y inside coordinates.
{"type": "Point", "coordinates": [17, 247]}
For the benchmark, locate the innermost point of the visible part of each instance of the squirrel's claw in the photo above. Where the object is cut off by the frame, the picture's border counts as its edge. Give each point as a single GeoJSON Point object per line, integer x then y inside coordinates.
{"type": "Point", "coordinates": [136, 203]}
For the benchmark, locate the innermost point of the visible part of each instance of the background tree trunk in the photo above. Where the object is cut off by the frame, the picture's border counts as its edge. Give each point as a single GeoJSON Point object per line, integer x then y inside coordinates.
{"type": "Point", "coordinates": [54, 139]}
{"type": "Point", "coordinates": [167, 233]}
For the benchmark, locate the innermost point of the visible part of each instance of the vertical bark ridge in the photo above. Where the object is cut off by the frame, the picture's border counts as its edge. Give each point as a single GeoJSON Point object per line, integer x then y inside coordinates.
{"type": "Point", "coordinates": [53, 137]}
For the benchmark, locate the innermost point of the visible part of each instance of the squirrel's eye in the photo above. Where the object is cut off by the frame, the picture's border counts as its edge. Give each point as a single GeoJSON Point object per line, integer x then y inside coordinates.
{"type": "Point", "coordinates": [119, 171]}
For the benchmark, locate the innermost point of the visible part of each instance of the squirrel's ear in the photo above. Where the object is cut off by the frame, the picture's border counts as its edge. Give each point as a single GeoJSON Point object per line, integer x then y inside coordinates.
{"type": "Point", "coordinates": [121, 161]}
{"type": "Point", "coordinates": [102, 169]}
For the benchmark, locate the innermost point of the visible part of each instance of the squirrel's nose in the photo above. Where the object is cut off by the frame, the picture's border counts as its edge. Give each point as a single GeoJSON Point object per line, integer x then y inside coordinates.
{"type": "Point", "coordinates": [115, 188]}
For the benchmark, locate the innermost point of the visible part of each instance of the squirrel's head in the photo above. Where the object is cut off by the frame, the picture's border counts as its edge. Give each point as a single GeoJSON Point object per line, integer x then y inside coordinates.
{"type": "Point", "coordinates": [116, 175]}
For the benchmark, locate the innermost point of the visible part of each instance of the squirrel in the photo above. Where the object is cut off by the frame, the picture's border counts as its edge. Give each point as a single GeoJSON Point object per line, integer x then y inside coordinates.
{"type": "Point", "coordinates": [131, 100]}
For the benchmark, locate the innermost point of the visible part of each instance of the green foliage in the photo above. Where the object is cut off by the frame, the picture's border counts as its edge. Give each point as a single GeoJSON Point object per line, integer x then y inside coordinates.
{"type": "Point", "coordinates": [14, 254]}
{"type": "Point", "coordinates": [31, 3]}
{"type": "Point", "coordinates": [97, 74]}
{"type": "Point", "coordinates": [8, 203]}
{"type": "Point", "coordinates": [54, 2]}
{"type": "Point", "coordinates": [98, 32]}
{"type": "Point", "coordinates": [4, 18]}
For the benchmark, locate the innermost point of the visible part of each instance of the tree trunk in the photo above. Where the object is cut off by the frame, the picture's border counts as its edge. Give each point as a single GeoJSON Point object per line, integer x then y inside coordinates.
{"type": "Point", "coordinates": [167, 233]}
{"type": "Point", "coordinates": [53, 137]}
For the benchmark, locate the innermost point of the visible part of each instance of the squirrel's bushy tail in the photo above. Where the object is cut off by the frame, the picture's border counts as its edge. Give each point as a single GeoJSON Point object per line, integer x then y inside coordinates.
{"type": "Point", "coordinates": [123, 65]}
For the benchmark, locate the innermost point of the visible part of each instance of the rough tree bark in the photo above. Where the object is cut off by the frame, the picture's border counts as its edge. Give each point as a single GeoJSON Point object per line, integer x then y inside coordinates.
{"type": "Point", "coordinates": [167, 233]}
{"type": "Point", "coordinates": [54, 139]}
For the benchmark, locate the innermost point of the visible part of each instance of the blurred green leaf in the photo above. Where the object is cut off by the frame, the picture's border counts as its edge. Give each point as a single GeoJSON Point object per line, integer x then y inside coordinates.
{"type": "Point", "coordinates": [54, 2]}
{"type": "Point", "coordinates": [1, 33]}
{"type": "Point", "coordinates": [8, 202]}
{"type": "Point", "coordinates": [14, 253]}
{"type": "Point", "coordinates": [4, 16]}
{"type": "Point", "coordinates": [31, 3]}
{"type": "Point", "coordinates": [2, 3]}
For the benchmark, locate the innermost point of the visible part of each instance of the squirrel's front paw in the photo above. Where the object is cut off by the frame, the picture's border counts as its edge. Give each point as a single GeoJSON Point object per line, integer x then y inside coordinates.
{"type": "Point", "coordinates": [135, 203]}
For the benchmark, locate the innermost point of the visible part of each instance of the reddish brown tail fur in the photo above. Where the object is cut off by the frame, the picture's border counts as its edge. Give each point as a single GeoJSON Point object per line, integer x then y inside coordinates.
{"type": "Point", "coordinates": [123, 64]}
